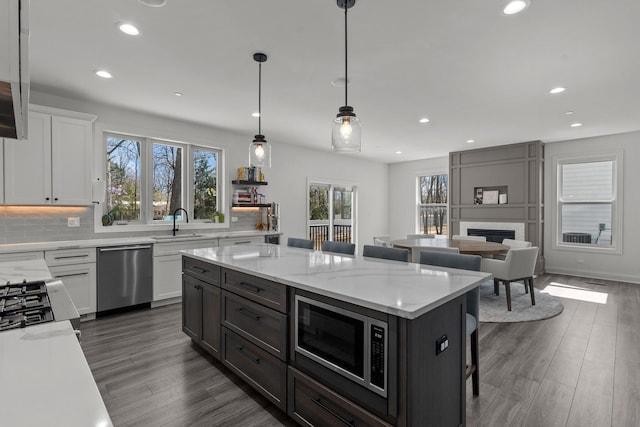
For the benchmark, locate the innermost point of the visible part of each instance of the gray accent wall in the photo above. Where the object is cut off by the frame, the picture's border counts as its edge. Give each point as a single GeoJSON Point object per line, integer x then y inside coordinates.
{"type": "Point", "coordinates": [518, 170]}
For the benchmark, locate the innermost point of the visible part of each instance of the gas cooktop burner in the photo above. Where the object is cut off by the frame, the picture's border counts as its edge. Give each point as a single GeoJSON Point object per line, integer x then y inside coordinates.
{"type": "Point", "coordinates": [25, 288]}
{"type": "Point", "coordinates": [24, 318]}
{"type": "Point", "coordinates": [24, 304]}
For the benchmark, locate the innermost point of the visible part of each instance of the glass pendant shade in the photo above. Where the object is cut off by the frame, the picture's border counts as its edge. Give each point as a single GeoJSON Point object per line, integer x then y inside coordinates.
{"type": "Point", "coordinates": [259, 149]}
{"type": "Point", "coordinates": [346, 132]}
{"type": "Point", "coordinates": [260, 152]}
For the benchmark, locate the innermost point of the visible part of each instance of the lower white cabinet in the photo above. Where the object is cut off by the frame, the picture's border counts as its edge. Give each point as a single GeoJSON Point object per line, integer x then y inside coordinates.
{"type": "Point", "coordinates": [80, 282]}
{"type": "Point", "coordinates": [21, 256]}
{"type": "Point", "coordinates": [77, 270]}
{"type": "Point", "coordinates": [231, 241]}
{"type": "Point", "coordinates": [167, 266]}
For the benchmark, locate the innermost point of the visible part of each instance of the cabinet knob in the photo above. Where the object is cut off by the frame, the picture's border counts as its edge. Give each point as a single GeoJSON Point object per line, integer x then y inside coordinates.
{"type": "Point", "coordinates": [56, 199]}
{"type": "Point", "coordinates": [47, 198]}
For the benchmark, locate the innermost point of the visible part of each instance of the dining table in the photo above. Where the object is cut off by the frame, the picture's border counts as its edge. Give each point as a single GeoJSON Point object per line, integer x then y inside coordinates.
{"type": "Point", "coordinates": [470, 247]}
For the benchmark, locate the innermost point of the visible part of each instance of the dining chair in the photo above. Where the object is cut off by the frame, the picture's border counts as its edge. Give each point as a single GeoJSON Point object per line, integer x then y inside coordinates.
{"type": "Point", "coordinates": [463, 262]}
{"type": "Point", "coordinates": [394, 254]}
{"type": "Point", "coordinates": [512, 244]}
{"type": "Point", "coordinates": [296, 242]}
{"type": "Point", "coordinates": [519, 264]}
{"type": "Point", "coordinates": [463, 237]}
{"type": "Point", "coordinates": [338, 247]}
{"type": "Point", "coordinates": [421, 236]}
{"type": "Point", "coordinates": [382, 240]}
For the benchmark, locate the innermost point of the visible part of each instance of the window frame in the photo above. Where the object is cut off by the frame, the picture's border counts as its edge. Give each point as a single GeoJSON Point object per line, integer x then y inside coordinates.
{"type": "Point", "coordinates": [616, 202]}
{"type": "Point", "coordinates": [146, 222]}
{"type": "Point", "coordinates": [419, 203]}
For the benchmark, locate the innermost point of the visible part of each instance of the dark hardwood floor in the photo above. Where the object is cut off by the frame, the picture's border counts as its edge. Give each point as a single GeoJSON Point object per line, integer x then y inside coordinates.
{"type": "Point", "coordinates": [580, 368]}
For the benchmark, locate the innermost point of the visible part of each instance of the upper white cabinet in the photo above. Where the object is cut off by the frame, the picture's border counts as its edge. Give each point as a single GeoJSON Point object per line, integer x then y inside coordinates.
{"type": "Point", "coordinates": [54, 165]}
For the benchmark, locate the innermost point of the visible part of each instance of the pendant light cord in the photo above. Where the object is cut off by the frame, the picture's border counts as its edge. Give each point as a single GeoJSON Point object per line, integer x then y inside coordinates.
{"type": "Point", "coordinates": [259, 98]}
{"type": "Point", "coordinates": [346, 78]}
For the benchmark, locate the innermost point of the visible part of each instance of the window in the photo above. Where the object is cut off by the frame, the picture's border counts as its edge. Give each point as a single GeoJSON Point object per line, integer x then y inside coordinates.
{"type": "Point", "coordinates": [432, 204]}
{"type": "Point", "coordinates": [324, 198]}
{"type": "Point", "coordinates": [148, 179]}
{"type": "Point", "coordinates": [588, 201]}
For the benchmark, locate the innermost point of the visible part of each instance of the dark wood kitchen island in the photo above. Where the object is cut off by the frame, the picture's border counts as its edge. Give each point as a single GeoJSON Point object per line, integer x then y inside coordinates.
{"type": "Point", "coordinates": [261, 309]}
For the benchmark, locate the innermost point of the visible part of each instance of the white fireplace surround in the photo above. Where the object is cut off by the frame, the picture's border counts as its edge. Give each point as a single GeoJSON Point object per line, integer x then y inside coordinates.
{"type": "Point", "coordinates": [518, 227]}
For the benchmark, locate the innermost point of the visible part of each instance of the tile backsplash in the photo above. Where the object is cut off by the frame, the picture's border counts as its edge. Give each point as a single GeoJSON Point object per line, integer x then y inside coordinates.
{"type": "Point", "coordinates": [27, 224]}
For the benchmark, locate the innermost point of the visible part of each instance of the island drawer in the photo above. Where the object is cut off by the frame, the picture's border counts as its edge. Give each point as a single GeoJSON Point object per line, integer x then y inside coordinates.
{"type": "Point", "coordinates": [311, 403]}
{"type": "Point", "coordinates": [201, 270]}
{"type": "Point", "coordinates": [262, 326]}
{"type": "Point", "coordinates": [260, 290]}
{"type": "Point", "coordinates": [264, 372]}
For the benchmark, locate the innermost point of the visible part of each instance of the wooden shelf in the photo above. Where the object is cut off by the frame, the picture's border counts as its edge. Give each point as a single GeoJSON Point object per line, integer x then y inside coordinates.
{"type": "Point", "coordinates": [243, 182]}
{"type": "Point", "coordinates": [251, 205]}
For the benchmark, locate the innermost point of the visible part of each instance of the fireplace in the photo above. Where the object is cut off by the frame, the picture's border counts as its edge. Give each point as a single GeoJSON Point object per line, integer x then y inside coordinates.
{"type": "Point", "coordinates": [492, 235]}
{"type": "Point", "coordinates": [516, 227]}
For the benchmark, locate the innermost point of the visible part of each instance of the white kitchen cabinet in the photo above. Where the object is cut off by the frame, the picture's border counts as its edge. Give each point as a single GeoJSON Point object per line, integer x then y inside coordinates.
{"type": "Point", "coordinates": [54, 165]}
{"type": "Point", "coordinates": [167, 266]}
{"type": "Point", "coordinates": [21, 256]}
{"type": "Point", "coordinates": [231, 241]}
{"type": "Point", "coordinates": [77, 270]}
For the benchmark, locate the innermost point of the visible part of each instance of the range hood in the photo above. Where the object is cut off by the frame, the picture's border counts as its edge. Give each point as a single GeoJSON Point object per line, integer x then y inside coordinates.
{"type": "Point", "coordinates": [14, 68]}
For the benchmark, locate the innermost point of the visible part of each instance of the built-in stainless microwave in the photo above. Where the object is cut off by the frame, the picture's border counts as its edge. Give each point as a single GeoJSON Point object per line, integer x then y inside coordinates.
{"type": "Point", "coordinates": [350, 344]}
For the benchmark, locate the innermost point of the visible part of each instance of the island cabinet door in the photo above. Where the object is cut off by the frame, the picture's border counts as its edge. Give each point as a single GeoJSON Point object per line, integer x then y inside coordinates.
{"type": "Point", "coordinates": [192, 307]}
{"type": "Point", "coordinates": [313, 404]}
{"type": "Point", "coordinates": [211, 319]}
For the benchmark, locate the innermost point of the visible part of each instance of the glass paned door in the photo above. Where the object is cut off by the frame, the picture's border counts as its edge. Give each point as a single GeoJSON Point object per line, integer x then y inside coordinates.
{"type": "Point", "coordinates": [331, 213]}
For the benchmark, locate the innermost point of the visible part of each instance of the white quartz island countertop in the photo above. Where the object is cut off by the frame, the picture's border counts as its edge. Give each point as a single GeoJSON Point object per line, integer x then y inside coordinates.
{"type": "Point", "coordinates": [46, 380]}
{"type": "Point", "coordinates": [403, 289]}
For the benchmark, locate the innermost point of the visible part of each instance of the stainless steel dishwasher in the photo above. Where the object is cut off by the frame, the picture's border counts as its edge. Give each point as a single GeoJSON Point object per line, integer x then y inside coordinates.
{"type": "Point", "coordinates": [125, 276]}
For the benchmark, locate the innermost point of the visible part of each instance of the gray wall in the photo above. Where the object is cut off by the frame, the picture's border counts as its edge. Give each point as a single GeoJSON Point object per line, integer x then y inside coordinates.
{"type": "Point", "coordinates": [519, 167]}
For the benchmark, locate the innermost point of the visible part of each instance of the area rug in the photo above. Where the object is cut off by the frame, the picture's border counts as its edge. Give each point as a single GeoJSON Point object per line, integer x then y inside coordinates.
{"type": "Point", "coordinates": [493, 308]}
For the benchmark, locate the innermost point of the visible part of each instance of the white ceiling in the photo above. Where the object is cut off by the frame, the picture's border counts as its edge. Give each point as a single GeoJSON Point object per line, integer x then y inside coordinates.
{"type": "Point", "coordinates": [474, 72]}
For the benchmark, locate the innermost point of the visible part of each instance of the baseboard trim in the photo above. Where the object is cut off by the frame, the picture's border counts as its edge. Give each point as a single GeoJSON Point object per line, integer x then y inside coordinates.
{"type": "Point", "coordinates": [602, 275]}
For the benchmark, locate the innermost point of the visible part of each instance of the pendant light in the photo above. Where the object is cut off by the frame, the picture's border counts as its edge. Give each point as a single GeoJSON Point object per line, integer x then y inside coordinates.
{"type": "Point", "coordinates": [346, 130]}
{"type": "Point", "coordinates": [259, 150]}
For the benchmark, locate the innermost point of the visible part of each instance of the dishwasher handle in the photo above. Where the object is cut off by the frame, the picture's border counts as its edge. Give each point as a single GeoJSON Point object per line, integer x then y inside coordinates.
{"type": "Point", "coordinates": [124, 248]}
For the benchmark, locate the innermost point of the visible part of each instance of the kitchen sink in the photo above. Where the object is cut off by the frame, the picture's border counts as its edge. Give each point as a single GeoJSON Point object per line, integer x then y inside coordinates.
{"type": "Point", "coordinates": [178, 237]}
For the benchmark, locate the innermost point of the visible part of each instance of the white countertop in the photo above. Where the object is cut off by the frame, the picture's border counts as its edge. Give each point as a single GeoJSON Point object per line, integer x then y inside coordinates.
{"type": "Point", "coordinates": [18, 271]}
{"type": "Point", "coordinates": [46, 381]}
{"type": "Point", "coordinates": [115, 241]}
{"type": "Point", "coordinates": [403, 289]}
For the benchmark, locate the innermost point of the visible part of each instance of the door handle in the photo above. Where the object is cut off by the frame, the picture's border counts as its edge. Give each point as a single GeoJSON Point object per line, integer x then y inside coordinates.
{"type": "Point", "coordinates": [249, 314]}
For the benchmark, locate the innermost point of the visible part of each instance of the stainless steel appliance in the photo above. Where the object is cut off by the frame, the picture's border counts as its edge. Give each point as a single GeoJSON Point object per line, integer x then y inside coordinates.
{"type": "Point", "coordinates": [350, 344]}
{"type": "Point", "coordinates": [31, 303]}
{"type": "Point", "coordinates": [125, 276]}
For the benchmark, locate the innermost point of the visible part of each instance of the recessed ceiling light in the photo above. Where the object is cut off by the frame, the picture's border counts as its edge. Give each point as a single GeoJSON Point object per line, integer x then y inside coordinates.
{"type": "Point", "coordinates": [129, 29]}
{"type": "Point", "coordinates": [398, 152]}
{"type": "Point", "coordinates": [153, 3]}
{"type": "Point", "coordinates": [576, 125]}
{"type": "Point", "coordinates": [256, 114]}
{"type": "Point", "coordinates": [177, 93]}
{"type": "Point", "coordinates": [568, 113]}
{"type": "Point", "coordinates": [557, 90]}
{"type": "Point", "coordinates": [470, 141]}
{"type": "Point", "coordinates": [515, 6]}
{"type": "Point", "coordinates": [424, 120]}
{"type": "Point", "coordinates": [104, 74]}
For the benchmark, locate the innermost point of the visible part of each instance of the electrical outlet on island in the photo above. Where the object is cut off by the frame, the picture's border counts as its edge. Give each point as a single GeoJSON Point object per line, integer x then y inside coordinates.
{"type": "Point", "coordinates": [73, 221]}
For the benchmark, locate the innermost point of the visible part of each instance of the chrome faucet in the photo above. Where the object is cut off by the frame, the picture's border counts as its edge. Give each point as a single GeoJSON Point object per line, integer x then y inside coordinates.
{"type": "Point", "coordinates": [186, 214]}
